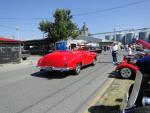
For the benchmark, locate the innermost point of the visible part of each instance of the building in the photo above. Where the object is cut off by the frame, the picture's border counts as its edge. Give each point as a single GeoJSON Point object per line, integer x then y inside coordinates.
{"type": "Point", "coordinates": [10, 50]}
{"type": "Point", "coordinates": [106, 44]}
{"type": "Point", "coordinates": [108, 37]}
{"type": "Point", "coordinates": [129, 38]}
{"type": "Point", "coordinates": [84, 30]}
{"type": "Point", "coordinates": [120, 37]}
{"type": "Point", "coordinates": [89, 39]}
{"type": "Point", "coordinates": [144, 35]}
{"type": "Point", "coordinates": [84, 35]}
{"type": "Point", "coordinates": [38, 46]}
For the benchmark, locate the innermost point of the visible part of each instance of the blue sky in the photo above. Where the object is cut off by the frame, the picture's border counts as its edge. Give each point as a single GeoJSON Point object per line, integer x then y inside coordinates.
{"type": "Point", "coordinates": [26, 15]}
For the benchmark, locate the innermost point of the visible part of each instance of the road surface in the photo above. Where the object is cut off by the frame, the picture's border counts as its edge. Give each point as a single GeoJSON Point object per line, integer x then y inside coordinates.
{"type": "Point", "coordinates": [26, 90]}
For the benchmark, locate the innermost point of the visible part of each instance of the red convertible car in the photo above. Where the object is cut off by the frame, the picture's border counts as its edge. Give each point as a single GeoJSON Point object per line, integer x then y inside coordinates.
{"type": "Point", "coordinates": [65, 60]}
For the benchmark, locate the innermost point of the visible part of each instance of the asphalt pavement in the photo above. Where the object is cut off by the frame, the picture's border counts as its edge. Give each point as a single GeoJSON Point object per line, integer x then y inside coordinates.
{"type": "Point", "coordinates": [31, 61]}
{"type": "Point", "coordinates": [26, 90]}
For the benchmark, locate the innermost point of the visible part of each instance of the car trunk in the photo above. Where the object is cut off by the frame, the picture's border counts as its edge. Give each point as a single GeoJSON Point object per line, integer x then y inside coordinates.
{"type": "Point", "coordinates": [55, 59]}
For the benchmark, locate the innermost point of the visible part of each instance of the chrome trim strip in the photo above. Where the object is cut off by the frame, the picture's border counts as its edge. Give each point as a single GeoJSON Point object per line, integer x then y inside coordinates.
{"type": "Point", "coordinates": [49, 68]}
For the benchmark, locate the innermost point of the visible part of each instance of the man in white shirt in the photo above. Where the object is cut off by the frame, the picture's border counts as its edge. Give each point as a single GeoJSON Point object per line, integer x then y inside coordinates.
{"type": "Point", "coordinates": [129, 50]}
{"type": "Point", "coordinates": [114, 53]}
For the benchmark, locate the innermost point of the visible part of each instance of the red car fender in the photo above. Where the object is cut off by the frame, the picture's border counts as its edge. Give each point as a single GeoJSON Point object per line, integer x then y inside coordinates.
{"type": "Point", "coordinates": [126, 65]}
{"type": "Point", "coordinates": [79, 59]}
{"type": "Point", "coordinates": [39, 61]}
{"type": "Point", "coordinates": [74, 60]}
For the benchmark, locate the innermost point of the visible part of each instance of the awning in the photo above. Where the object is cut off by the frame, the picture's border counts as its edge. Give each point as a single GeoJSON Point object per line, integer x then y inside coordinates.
{"type": "Point", "coordinates": [7, 40]}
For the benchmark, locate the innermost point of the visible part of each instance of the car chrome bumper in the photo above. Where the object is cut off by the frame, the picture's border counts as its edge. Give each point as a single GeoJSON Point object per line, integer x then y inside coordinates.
{"type": "Point", "coordinates": [48, 68]}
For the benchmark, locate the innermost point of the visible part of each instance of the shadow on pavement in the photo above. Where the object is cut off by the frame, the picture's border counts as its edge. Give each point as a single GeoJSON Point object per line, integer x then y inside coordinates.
{"type": "Point", "coordinates": [114, 74]}
{"type": "Point", "coordinates": [56, 74]}
{"type": "Point", "coordinates": [119, 100]}
{"type": "Point", "coordinates": [51, 75]}
{"type": "Point", "coordinates": [104, 62]}
{"type": "Point", "coordinates": [105, 53]}
{"type": "Point", "coordinates": [87, 66]}
{"type": "Point", "coordinates": [104, 109]}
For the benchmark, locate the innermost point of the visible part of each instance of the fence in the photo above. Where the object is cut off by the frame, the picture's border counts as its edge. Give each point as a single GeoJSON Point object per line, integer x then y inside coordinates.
{"type": "Point", "coordinates": [9, 53]}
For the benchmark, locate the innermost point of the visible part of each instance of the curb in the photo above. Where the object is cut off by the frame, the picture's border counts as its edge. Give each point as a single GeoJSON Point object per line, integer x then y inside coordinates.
{"type": "Point", "coordinates": [99, 95]}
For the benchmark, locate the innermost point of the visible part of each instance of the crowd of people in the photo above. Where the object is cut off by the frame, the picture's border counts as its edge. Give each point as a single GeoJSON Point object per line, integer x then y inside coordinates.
{"type": "Point", "coordinates": [115, 48]}
{"type": "Point", "coordinates": [129, 49]}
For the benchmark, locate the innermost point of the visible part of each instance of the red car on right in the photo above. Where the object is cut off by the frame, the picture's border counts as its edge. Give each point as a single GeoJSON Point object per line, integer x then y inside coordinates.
{"type": "Point", "coordinates": [128, 67]}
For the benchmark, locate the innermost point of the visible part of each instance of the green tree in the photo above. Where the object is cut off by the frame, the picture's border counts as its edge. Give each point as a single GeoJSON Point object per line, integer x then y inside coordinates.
{"type": "Point", "coordinates": [61, 28]}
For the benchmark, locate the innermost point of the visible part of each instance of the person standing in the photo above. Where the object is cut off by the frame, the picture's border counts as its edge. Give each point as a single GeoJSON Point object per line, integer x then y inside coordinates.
{"type": "Point", "coordinates": [114, 53]}
{"type": "Point", "coordinates": [129, 50]}
{"type": "Point", "coordinates": [126, 48]}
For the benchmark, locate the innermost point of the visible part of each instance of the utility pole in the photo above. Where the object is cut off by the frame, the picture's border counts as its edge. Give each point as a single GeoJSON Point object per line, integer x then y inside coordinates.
{"type": "Point", "coordinates": [17, 29]}
{"type": "Point", "coordinates": [125, 37]}
{"type": "Point", "coordinates": [114, 35]}
{"type": "Point", "coordinates": [19, 46]}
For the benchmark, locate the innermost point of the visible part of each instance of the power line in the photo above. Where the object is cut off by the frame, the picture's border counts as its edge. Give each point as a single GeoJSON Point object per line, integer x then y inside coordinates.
{"type": "Point", "coordinates": [126, 30]}
{"type": "Point", "coordinates": [82, 14]}
{"type": "Point", "coordinates": [10, 18]}
{"type": "Point", "coordinates": [33, 23]}
{"type": "Point", "coordinates": [7, 27]}
{"type": "Point", "coordinates": [79, 14]}
{"type": "Point", "coordinates": [110, 9]}
{"type": "Point", "coordinates": [14, 28]}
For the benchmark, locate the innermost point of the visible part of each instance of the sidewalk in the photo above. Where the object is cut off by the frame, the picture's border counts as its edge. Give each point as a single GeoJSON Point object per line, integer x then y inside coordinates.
{"type": "Point", "coordinates": [110, 99]}
{"type": "Point", "coordinates": [31, 61]}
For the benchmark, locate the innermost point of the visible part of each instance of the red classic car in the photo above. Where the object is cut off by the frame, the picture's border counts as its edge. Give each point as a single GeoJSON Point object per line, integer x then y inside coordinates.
{"type": "Point", "coordinates": [127, 68]}
{"type": "Point", "coordinates": [65, 60]}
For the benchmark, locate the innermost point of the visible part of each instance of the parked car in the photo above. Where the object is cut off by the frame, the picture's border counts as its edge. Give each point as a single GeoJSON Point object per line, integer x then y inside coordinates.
{"type": "Point", "coordinates": [128, 67]}
{"type": "Point", "coordinates": [137, 99]}
{"type": "Point", "coordinates": [65, 60]}
{"type": "Point", "coordinates": [95, 49]}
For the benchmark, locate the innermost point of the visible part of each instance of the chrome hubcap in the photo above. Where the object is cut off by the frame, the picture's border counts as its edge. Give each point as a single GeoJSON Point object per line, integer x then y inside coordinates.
{"type": "Point", "coordinates": [125, 73]}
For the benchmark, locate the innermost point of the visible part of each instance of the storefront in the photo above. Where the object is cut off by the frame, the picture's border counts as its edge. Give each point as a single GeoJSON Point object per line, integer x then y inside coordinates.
{"type": "Point", "coordinates": [10, 50]}
{"type": "Point", "coordinates": [38, 46]}
{"type": "Point", "coordinates": [105, 45]}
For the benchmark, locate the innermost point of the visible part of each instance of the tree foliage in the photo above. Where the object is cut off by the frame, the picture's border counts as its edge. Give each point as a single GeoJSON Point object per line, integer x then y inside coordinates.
{"type": "Point", "coordinates": [61, 28]}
